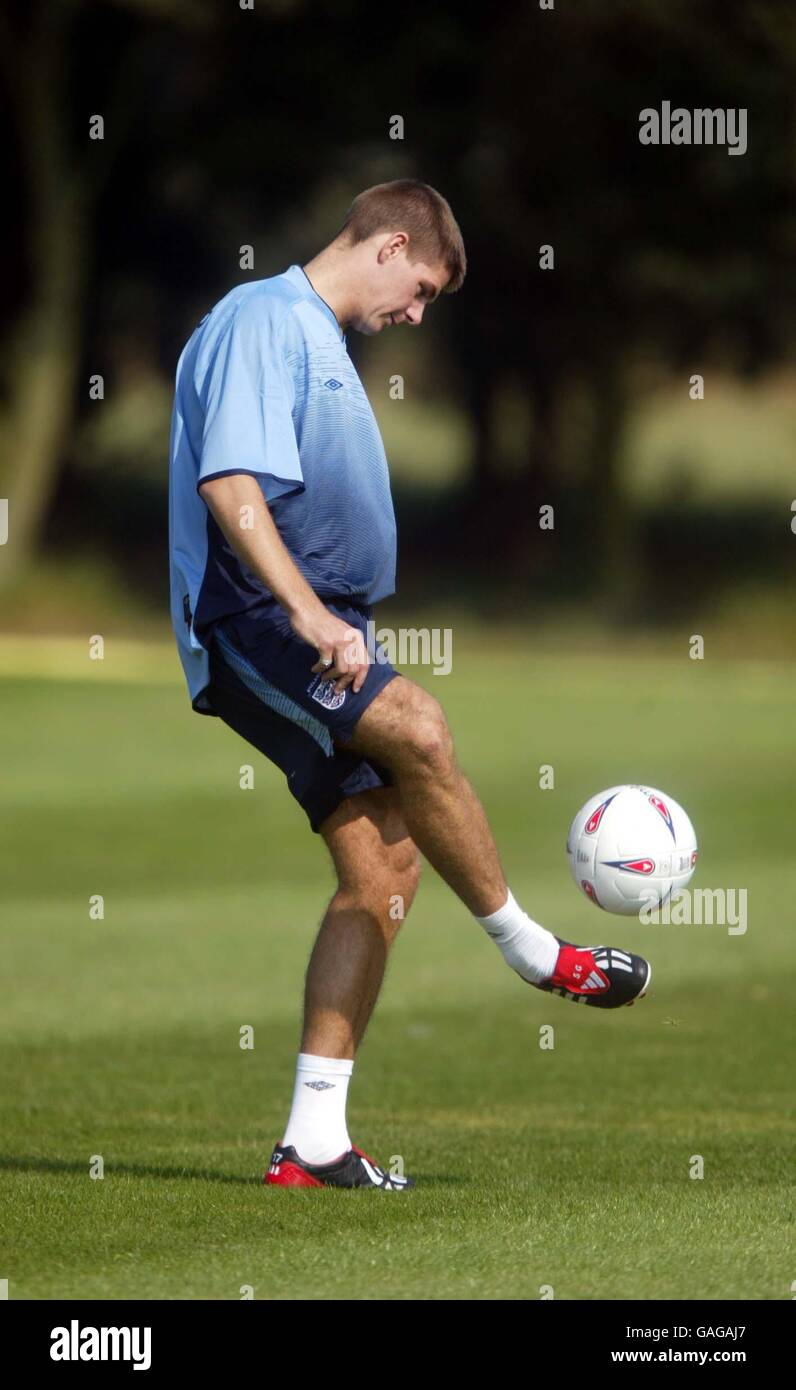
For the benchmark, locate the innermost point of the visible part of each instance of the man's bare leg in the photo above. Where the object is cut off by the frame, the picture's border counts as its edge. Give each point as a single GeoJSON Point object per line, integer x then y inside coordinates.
{"type": "Point", "coordinates": [343, 978]}
{"type": "Point", "coordinates": [375, 860]}
{"type": "Point", "coordinates": [405, 729]}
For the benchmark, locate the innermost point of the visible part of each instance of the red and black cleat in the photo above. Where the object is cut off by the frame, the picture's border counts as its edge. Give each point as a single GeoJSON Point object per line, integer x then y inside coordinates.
{"type": "Point", "coordinates": [352, 1169]}
{"type": "Point", "coordinates": [603, 976]}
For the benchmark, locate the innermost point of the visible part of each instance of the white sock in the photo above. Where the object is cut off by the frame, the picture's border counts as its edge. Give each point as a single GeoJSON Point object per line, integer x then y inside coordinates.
{"type": "Point", "coordinates": [526, 946]}
{"type": "Point", "coordinates": [317, 1125]}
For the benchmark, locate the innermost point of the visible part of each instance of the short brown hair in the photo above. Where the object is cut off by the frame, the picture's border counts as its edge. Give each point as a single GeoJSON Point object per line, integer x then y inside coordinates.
{"type": "Point", "coordinates": [414, 207]}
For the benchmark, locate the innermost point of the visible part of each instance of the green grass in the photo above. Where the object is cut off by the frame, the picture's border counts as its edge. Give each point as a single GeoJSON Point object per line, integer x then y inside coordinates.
{"type": "Point", "coordinates": [567, 1167]}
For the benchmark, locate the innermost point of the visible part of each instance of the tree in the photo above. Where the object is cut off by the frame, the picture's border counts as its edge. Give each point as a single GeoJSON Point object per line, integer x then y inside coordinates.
{"type": "Point", "coordinates": [64, 173]}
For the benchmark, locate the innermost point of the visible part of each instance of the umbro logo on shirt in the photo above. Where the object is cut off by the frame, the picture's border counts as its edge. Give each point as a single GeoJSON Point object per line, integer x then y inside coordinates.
{"type": "Point", "coordinates": [333, 384]}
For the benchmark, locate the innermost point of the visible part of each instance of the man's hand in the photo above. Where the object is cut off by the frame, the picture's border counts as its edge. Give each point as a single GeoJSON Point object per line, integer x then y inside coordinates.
{"type": "Point", "coordinates": [261, 548]}
{"type": "Point", "coordinates": [336, 640]}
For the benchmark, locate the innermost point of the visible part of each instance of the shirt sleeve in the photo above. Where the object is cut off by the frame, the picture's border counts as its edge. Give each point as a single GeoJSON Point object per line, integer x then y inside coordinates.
{"type": "Point", "coordinates": [247, 394]}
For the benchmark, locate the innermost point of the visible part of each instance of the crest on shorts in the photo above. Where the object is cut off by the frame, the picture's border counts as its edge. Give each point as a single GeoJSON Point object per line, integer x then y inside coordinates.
{"type": "Point", "coordinates": [326, 694]}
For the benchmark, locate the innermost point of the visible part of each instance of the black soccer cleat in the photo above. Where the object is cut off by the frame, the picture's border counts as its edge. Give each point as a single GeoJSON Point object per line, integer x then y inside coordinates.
{"type": "Point", "coordinates": [352, 1169]}
{"type": "Point", "coordinates": [602, 976]}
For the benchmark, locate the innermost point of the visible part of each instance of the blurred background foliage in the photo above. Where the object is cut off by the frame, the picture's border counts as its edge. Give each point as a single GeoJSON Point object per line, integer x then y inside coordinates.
{"type": "Point", "coordinates": [568, 387]}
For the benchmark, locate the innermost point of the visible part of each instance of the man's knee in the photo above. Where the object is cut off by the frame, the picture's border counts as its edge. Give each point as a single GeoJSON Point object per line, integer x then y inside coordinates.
{"type": "Point", "coordinates": [401, 895]}
{"type": "Point", "coordinates": [427, 740]}
{"type": "Point", "coordinates": [406, 726]}
{"type": "Point", "coordinates": [402, 874]}
{"type": "Point", "coordinates": [385, 898]}
{"type": "Point", "coordinates": [374, 855]}
{"type": "Point", "coordinates": [388, 883]}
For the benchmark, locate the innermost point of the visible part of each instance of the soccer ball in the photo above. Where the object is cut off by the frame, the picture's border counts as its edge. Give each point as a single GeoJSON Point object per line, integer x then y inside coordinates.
{"type": "Point", "coordinates": [631, 848]}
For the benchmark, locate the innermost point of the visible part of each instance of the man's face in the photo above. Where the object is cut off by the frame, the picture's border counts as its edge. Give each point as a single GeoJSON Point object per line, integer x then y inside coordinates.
{"type": "Point", "coordinates": [397, 291]}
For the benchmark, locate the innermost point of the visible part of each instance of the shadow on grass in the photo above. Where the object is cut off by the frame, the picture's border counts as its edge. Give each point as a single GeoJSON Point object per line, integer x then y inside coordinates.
{"type": "Point", "coordinates": [20, 1163]}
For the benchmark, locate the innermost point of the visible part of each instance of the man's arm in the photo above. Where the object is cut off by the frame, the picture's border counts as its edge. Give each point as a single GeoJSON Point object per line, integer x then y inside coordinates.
{"type": "Point", "coordinates": [263, 551]}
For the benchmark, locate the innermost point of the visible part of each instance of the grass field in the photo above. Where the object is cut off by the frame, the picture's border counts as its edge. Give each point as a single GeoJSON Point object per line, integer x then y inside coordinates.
{"type": "Point", "coordinates": [566, 1168]}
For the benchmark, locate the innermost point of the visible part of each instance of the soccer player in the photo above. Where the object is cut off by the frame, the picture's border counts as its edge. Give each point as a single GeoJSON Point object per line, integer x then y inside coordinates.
{"type": "Point", "coordinates": [282, 538]}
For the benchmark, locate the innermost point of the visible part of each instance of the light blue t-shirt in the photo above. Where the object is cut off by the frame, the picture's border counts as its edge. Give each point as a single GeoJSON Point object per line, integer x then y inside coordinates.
{"type": "Point", "coordinates": [265, 386]}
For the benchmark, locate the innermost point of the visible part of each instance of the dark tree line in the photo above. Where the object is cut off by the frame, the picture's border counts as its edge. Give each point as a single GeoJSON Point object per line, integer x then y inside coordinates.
{"type": "Point", "coordinates": [224, 126]}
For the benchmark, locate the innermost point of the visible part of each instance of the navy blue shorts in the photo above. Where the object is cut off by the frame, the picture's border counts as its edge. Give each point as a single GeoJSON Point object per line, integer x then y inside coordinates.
{"type": "Point", "coordinates": [263, 686]}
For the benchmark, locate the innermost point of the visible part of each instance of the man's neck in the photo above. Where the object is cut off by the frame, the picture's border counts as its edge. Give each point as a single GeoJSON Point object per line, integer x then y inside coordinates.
{"type": "Point", "coordinates": [329, 279]}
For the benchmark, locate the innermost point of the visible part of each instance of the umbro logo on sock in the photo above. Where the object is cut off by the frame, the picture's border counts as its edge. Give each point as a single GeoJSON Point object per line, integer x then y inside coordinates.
{"type": "Point", "coordinates": [320, 1085]}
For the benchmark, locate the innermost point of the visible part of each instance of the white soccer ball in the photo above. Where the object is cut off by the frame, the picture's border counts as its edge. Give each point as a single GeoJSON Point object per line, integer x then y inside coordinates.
{"type": "Point", "coordinates": [631, 848]}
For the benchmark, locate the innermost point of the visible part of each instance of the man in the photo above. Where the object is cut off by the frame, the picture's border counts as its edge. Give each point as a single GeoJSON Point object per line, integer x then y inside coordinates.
{"type": "Point", "coordinates": [282, 538]}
